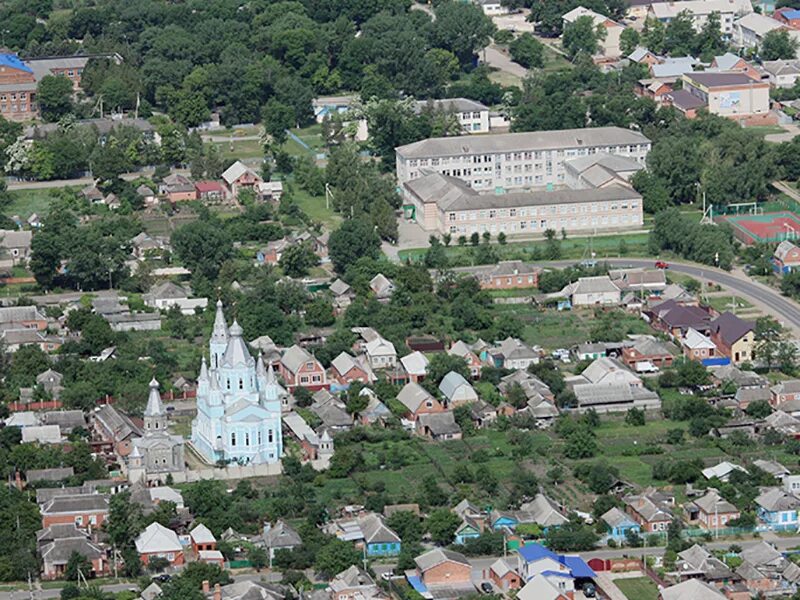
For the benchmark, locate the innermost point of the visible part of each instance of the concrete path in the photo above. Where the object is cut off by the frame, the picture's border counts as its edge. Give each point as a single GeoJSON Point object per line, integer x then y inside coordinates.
{"type": "Point", "coordinates": [605, 583]}
{"type": "Point", "coordinates": [787, 189]}
{"type": "Point", "coordinates": [501, 61]}
{"type": "Point", "coordinates": [791, 131]}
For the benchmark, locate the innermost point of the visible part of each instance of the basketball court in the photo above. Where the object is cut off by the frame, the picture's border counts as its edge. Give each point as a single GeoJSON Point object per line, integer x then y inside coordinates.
{"type": "Point", "coordinates": [765, 228]}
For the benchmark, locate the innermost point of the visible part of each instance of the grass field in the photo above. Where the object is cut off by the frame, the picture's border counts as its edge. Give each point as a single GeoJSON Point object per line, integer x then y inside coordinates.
{"type": "Point", "coordinates": [636, 244]}
{"type": "Point", "coordinates": [26, 202]}
{"type": "Point", "coordinates": [239, 149]}
{"type": "Point", "coordinates": [639, 588]}
{"type": "Point", "coordinates": [723, 303]}
{"type": "Point", "coordinates": [314, 207]}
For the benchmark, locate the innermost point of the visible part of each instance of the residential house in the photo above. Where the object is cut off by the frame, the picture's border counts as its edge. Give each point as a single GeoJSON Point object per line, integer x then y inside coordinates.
{"type": "Point", "coordinates": [382, 287]}
{"type": "Point", "coordinates": [16, 245]}
{"type": "Point", "coordinates": [513, 353]}
{"type": "Point", "coordinates": [722, 471]}
{"type": "Point", "coordinates": [156, 541]}
{"type": "Point", "coordinates": [591, 291]}
{"type": "Point", "coordinates": [783, 74]}
{"type": "Point", "coordinates": [165, 295]}
{"type": "Point", "coordinates": [734, 337]}
{"type": "Point", "coordinates": [734, 375]}
{"type": "Point", "coordinates": [210, 191]}
{"type": "Point", "coordinates": [415, 366]}
{"type": "Point", "coordinates": [711, 511]}
{"type": "Point", "coordinates": [202, 539]}
{"type": "Point", "coordinates": [765, 569]}
{"type": "Point", "coordinates": [505, 275]}
{"type": "Point", "coordinates": [697, 346]}
{"type": "Point", "coordinates": [542, 511]}
{"type": "Point", "coordinates": [345, 370]}
{"type": "Point", "coordinates": [778, 509]}
{"type": "Point", "coordinates": [115, 429]}
{"type": "Point", "coordinates": [88, 511]}
{"type": "Point", "coordinates": [342, 295]}
{"type": "Point", "coordinates": [619, 525]}
{"type": "Point", "coordinates": [650, 511]}
{"type": "Point", "coordinates": [22, 317]}
{"type": "Point", "coordinates": [784, 391]}
{"type": "Point", "coordinates": [379, 540]}
{"type": "Point", "coordinates": [272, 252]}
{"type": "Point", "coordinates": [544, 588]}
{"type": "Point", "coordinates": [381, 353]}
{"type": "Point", "coordinates": [772, 467]}
{"type": "Point", "coordinates": [444, 570]}
{"type": "Point", "coordinates": [300, 369]}
{"type": "Point", "coordinates": [609, 43]}
{"type": "Point", "coordinates": [354, 584]}
{"type": "Point", "coordinates": [749, 30]}
{"type": "Point", "coordinates": [641, 281]}
{"type": "Point", "coordinates": [697, 562]}
{"type": "Point", "coordinates": [691, 589]}
{"type": "Point", "coordinates": [280, 536]}
{"type": "Point", "coordinates": [439, 426]}
{"type": "Point", "coordinates": [474, 363]}
{"type": "Point", "coordinates": [177, 188]}
{"type": "Point", "coordinates": [57, 544]}
{"type": "Point", "coordinates": [676, 318]}
{"type": "Point", "coordinates": [504, 575]}
{"type": "Point", "coordinates": [788, 16]}
{"type": "Point", "coordinates": [418, 401]}
{"type": "Point", "coordinates": [376, 412]}
{"type": "Point", "coordinates": [145, 246]}
{"type": "Point", "coordinates": [648, 351]}
{"type": "Point", "coordinates": [331, 411]}
{"type": "Point", "coordinates": [785, 424]}
{"type": "Point", "coordinates": [239, 177]}
{"type": "Point", "coordinates": [608, 371]}
{"type": "Point", "coordinates": [535, 561]}
{"type": "Point", "coordinates": [701, 10]}
{"type": "Point", "coordinates": [786, 258]}
{"type": "Point", "coordinates": [270, 191]}
{"type": "Point", "coordinates": [457, 390]}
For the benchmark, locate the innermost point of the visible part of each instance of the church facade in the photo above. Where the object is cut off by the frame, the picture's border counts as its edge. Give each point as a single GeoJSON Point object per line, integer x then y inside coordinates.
{"type": "Point", "coordinates": [157, 453]}
{"type": "Point", "coordinates": [238, 402]}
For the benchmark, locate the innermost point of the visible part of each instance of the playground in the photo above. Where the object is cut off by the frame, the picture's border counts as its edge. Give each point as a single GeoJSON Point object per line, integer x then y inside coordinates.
{"type": "Point", "coordinates": [764, 228]}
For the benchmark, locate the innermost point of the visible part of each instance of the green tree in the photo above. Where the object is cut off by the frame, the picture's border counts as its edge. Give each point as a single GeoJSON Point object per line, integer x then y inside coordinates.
{"type": "Point", "coordinates": [527, 51]}
{"type": "Point", "coordinates": [442, 363]}
{"type": "Point", "coordinates": [442, 525]}
{"type": "Point", "coordinates": [635, 417]}
{"type": "Point", "coordinates": [355, 239]}
{"type": "Point", "coordinates": [582, 36]}
{"type": "Point", "coordinates": [257, 557]}
{"type": "Point", "coordinates": [778, 45]}
{"type": "Point", "coordinates": [54, 95]}
{"type": "Point", "coordinates": [580, 443]}
{"type": "Point", "coordinates": [462, 28]}
{"type": "Point", "coordinates": [277, 117]}
{"type": "Point", "coordinates": [78, 566]}
{"type": "Point", "coordinates": [628, 40]}
{"type": "Point", "coordinates": [297, 259]}
{"type": "Point", "coordinates": [336, 556]}
{"type": "Point", "coordinates": [203, 246]}
{"type": "Point", "coordinates": [319, 312]}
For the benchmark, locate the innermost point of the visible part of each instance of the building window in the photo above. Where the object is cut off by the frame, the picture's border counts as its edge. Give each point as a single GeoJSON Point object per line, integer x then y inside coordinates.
{"type": "Point", "coordinates": [233, 438]}
{"type": "Point", "coordinates": [269, 436]}
{"type": "Point", "coordinates": [246, 438]}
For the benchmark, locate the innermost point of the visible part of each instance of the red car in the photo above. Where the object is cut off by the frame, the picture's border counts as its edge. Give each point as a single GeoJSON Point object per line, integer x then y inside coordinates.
{"type": "Point", "coordinates": [660, 264]}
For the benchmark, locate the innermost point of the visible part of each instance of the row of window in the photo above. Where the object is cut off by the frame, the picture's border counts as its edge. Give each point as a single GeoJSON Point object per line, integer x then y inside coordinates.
{"type": "Point", "coordinates": [544, 224]}
{"type": "Point", "coordinates": [527, 155]}
{"type": "Point", "coordinates": [247, 438]}
{"type": "Point", "coordinates": [4, 108]}
{"type": "Point", "coordinates": [561, 209]}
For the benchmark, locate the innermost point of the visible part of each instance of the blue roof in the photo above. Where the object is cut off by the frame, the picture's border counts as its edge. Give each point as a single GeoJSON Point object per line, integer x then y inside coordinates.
{"type": "Point", "coordinates": [557, 574]}
{"type": "Point", "coordinates": [791, 14]}
{"type": "Point", "coordinates": [578, 567]}
{"type": "Point", "coordinates": [532, 552]}
{"type": "Point", "coordinates": [417, 584]}
{"type": "Point", "coordinates": [13, 61]}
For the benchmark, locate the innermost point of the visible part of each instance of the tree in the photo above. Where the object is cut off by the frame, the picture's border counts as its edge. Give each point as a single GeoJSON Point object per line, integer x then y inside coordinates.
{"type": "Point", "coordinates": [336, 556]}
{"type": "Point", "coordinates": [78, 567]}
{"type": "Point", "coordinates": [54, 95]}
{"type": "Point", "coordinates": [442, 363]}
{"type": "Point", "coordinates": [203, 246]}
{"type": "Point", "coordinates": [778, 45]}
{"type": "Point", "coordinates": [462, 28]}
{"type": "Point", "coordinates": [635, 417]}
{"type": "Point", "coordinates": [581, 443]}
{"type": "Point", "coordinates": [628, 40]}
{"type": "Point", "coordinates": [759, 409]}
{"type": "Point", "coordinates": [320, 312]}
{"type": "Point", "coordinates": [297, 259]}
{"type": "Point", "coordinates": [277, 117]}
{"type": "Point", "coordinates": [582, 36]}
{"type": "Point", "coordinates": [355, 239]}
{"type": "Point", "coordinates": [257, 557]}
{"type": "Point", "coordinates": [442, 525]}
{"type": "Point", "coordinates": [527, 51]}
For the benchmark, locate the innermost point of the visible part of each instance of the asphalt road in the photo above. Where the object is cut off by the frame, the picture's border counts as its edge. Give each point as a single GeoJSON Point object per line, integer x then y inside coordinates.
{"type": "Point", "coordinates": [785, 310]}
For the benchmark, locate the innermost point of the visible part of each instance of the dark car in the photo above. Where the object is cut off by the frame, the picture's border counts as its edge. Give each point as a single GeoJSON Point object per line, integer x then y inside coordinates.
{"type": "Point", "coordinates": [487, 588]}
{"type": "Point", "coordinates": [589, 590]}
{"type": "Point", "coordinates": [163, 578]}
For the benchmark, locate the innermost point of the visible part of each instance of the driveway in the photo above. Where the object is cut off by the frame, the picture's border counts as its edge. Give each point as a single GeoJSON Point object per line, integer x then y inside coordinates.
{"type": "Point", "coordinates": [501, 61]}
{"type": "Point", "coordinates": [791, 131]}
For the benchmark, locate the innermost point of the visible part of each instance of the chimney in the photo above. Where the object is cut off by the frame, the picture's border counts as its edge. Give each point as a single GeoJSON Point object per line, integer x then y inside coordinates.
{"type": "Point", "coordinates": [206, 586]}
{"type": "Point", "coordinates": [217, 592]}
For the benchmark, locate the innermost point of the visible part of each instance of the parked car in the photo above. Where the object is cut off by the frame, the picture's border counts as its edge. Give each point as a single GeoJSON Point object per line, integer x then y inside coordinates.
{"type": "Point", "coordinates": [487, 588]}
{"type": "Point", "coordinates": [589, 590]}
{"type": "Point", "coordinates": [660, 264]}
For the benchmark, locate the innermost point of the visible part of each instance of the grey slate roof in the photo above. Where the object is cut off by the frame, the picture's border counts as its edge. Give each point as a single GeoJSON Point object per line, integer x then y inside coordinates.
{"type": "Point", "coordinates": [442, 423]}
{"type": "Point", "coordinates": [515, 142]}
{"type": "Point", "coordinates": [437, 556]}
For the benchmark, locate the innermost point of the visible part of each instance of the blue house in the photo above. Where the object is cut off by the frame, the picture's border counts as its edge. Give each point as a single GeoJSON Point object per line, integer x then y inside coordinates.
{"type": "Point", "coordinates": [469, 529]}
{"type": "Point", "coordinates": [778, 509]}
{"type": "Point", "coordinates": [536, 559]}
{"type": "Point", "coordinates": [499, 520]}
{"type": "Point", "coordinates": [378, 538]}
{"type": "Point", "coordinates": [618, 524]}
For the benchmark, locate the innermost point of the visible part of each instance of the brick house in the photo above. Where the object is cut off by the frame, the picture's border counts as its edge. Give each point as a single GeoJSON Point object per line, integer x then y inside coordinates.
{"type": "Point", "coordinates": [505, 275]}
{"type": "Point", "coordinates": [202, 539]}
{"type": "Point", "coordinates": [84, 511]}
{"type": "Point", "coordinates": [22, 317]}
{"type": "Point", "coordinates": [439, 567]}
{"type": "Point", "coordinates": [210, 190]}
{"type": "Point", "coordinates": [156, 541]}
{"type": "Point", "coordinates": [784, 391]}
{"type": "Point", "coordinates": [300, 369]}
{"type": "Point", "coordinates": [474, 363]}
{"type": "Point", "coordinates": [711, 511]}
{"type": "Point", "coordinates": [504, 576]}
{"type": "Point", "coordinates": [697, 346]}
{"type": "Point", "coordinates": [418, 401]}
{"type": "Point", "coordinates": [734, 337]}
{"type": "Point", "coordinates": [115, 429]}
{"type": "Point", "coordinates": [345, 370]}
{"type": "Point", "coordinates": [238, 177]}
{"type": "Point", "coordinates": [56, 545]}
{"type": "Point", "coordinates": [652, 513]}
{"type": "Point", "coordinates": [647, 350]}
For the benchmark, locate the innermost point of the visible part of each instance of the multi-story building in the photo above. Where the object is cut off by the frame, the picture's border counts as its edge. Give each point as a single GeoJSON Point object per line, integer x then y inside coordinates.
{"type": "Point", "coordinates": [445, 204]}
{"type": "Point", "coordinates": [514, 161]}
{"type": "Point", "coordinates": [701, 10]}
{"type": "Point", "coordinates": [473, 116]}
{"type": "Point", "coordinates": [727, 94]}
{"type": "Point", "coordinates": [19, 79]}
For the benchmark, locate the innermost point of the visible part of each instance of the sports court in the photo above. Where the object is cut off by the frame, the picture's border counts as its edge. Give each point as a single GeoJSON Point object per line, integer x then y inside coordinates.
{"type": "Point", "coordinates": [768, 227]}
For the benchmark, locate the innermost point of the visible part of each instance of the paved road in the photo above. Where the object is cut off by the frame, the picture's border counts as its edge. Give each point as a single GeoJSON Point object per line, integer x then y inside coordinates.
{"type": "Point", "coordinates": [785, 310]}
{"type": "Point", "coordinates": [791, 131]}
{"type": "Point", "coordinates": [501, 61]}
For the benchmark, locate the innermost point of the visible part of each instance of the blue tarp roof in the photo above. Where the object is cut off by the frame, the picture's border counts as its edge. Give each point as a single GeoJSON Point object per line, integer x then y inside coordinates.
{"type": "Point", "coordinates": [791, 14]}
{"type": "Point", "coordinates": [416, 583]}
{"type": "Point", "coordinates": [532, 552]}
{"type": "Point", "coordinates": [13, 61]}
{"type": "Point", "coordinates": [578, 567]}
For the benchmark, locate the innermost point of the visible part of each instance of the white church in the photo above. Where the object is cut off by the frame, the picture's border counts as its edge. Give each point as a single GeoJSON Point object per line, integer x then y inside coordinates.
{"type": "Point", "coordinates": [238, 402]}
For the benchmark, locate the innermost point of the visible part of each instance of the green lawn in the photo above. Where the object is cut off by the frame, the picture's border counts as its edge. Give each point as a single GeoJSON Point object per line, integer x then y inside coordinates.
{"type": "Point", "coordinates": [607, 246]}
{"type": "Point", "coordinates": [638, 588]}
{"type": "Point", "coordinates": [723, 303]}
{"type": "Point", "coordinates": [314, 207]}
{"type": "Point", "coordinates": [764, 130]}
{"type": "Point", "coordinates": [26, 202]}
{"type": "Point", "coordinates": [239, 149]}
